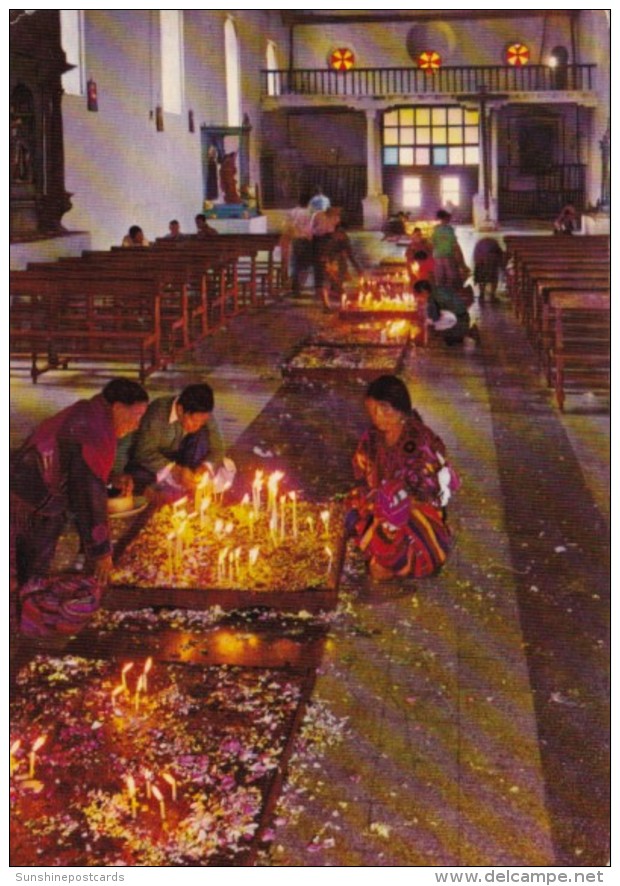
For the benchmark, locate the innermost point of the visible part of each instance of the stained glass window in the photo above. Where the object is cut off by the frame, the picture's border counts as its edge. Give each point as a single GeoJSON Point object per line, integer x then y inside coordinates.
{"type": "Point", "coordinates": [425, 136]}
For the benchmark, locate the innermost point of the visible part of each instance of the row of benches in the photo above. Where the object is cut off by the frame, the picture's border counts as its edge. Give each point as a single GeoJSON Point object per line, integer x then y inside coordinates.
{"type": "Point", "coordinates": [559, 287]}
{"type": "Point", "coordinates": [143, 306]}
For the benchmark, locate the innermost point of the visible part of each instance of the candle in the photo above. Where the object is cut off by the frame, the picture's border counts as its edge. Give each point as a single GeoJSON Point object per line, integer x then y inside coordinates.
{"type": "Point", "coordinates": [237, 563]}
{"type": "Point", "coordinates": [148, 664]}
{"type": "Point", "coordinates": [272, 486]}
{"type": "Point", "coordinates": [131, 790]}
{"type": "Point", "coordinates": [139, 688]}
{"type": "Point", "coordinates": [159, 796]}
{"type": "Point", "coordinates": [257, 485]}
{"type": "Point", "coordinates": [179, 508]}
{"type": "Point", "coordinates": [330, 558]}
{"type": "Point", "coordinates": [293, 497]}
{"type": "Point", "coordinates": [283, 517]}
{"type": "Point", "coordinates": [221, 561]}
{"type": "Point", "coordinates": [273, 525]}
{"type": "Point", "coordinates": [117, 691]}
{"type": "Point", "coordinates": [126, 668]}
{"type": "Point", "coordinates": [252, 558]}
{"type": "Point", "coordinates": [148, 775]}
{"type": "Point", "coordinates": [33, 754]}
{"type": "Point", "coordinates": [325, 519]}
{"type": "Point", "coordinates": [173, 784]}
{"type": "Point", "coordinates": [14, 749]}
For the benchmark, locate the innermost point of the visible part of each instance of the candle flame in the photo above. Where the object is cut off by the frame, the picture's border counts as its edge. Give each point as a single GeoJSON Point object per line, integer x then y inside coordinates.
{"type": "Point", "coordinates": [246, 499]}
{"type": "Point", "coordinates": [117, 691]}
{"type": "Point", "coordinates": [148, 664]}
{"type": "Point", "coordinates": [131, 785]}
{"type": "Point", "coordinates": [253, 555]}
{"type": "Point", "coordinates": [157, 793]}
{"type": "Point", "coordinates": [40, 741]}
{"type": "Point", "coordinates": [16, 746]}
{"type": "Point", "coordinates": [127, 667]}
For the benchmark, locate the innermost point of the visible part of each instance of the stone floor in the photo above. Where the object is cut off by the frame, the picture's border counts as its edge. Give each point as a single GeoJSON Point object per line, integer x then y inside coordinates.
{"type": "Point", "coordinates": [475, 710]}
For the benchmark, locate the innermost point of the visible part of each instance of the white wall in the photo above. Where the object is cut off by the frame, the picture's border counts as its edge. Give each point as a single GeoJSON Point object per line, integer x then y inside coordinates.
{"type": "Point", "coordinates": [120, 170]}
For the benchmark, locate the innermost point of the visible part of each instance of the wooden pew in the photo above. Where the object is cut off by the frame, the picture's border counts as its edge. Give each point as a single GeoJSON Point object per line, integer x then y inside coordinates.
{"type": "Point", "coordinates": [61, 320]}
{"type": "Point", "coordinates": [579, 342]}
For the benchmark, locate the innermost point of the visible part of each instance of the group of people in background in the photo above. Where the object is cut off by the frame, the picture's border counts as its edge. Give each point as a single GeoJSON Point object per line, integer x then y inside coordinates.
{"type": "Point", "coordinates": [315, 239]}
{"type": "Point", "coordinates": [135, 235]}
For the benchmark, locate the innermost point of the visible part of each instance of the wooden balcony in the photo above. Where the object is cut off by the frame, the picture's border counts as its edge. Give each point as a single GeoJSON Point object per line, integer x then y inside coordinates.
{"type": "Point", "coordinates": [379, 82]}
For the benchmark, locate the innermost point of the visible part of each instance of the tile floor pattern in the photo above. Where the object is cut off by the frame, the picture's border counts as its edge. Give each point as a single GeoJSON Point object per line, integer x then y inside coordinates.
{"type": "Point", "coordinates": [476, 708]}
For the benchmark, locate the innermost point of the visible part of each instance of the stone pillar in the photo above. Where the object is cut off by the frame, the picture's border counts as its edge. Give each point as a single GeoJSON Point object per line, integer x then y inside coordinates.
{"type": "Point", "coordinates": [375, 203]}
{"type": "Point", "coordinates": [484, 208]}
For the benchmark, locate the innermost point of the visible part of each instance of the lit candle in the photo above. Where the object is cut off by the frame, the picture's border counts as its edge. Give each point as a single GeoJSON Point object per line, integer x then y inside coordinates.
{"type": "Point", "coordinates": [173, 784]}
{"type": "Point", "coordinates": [117, 691]}
{"type": "Point", "coordinates": [293, 497]}
{"type": "Point", "coordinates": [221, 561]}
{"type": "Point", "coordinates": [273, 525]}
{"type": "Point", "coordinates": [159, 796]}
{"type": "Point", "coordinates": [14, 749]}
{"type": "Point", "coordinates": [131, 790]}
{"type": "Point", "coordinates": [325, 519]}
{"type": "Point", "coordinates": [272, 486]}
{"type": "Point", "coordinates": [283, 517]}
{"type": "Point", "coordinates": [126, 668]}
{"type": "Point", "coordinates": [139, 687]}
{"type": "Point", "coordinates": [148, 664]}
{"type": "Point", "coordinates": [179, 508]}
{"type": "Point", "coordinates": [252, 558]}
{"type": "Point", "coordinates": [33, 754]}
{"type": "Point", "coordinates": [330, 558]}
{"type": "Point", "coordinates": [257, 485]}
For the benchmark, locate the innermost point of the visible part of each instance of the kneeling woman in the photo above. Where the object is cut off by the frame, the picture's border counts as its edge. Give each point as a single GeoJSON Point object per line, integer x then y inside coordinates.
{"type": "Point", "coordinates": [397, 511]}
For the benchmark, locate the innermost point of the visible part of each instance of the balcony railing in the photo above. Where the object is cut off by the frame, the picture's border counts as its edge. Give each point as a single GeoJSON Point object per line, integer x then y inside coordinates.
{"type": "Point", "coordinates": [402, 81]}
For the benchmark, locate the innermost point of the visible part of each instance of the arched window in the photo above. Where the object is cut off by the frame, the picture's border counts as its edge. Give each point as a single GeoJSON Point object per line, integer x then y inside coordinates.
{"type": "Point", "coordinates": [273, 76]}
{"type": "Point", "coordinates": [171, 28]}
{"type": "Point", "coordinates": [233, 93]}
{"type": "Point", "coordinates": [72, 38]}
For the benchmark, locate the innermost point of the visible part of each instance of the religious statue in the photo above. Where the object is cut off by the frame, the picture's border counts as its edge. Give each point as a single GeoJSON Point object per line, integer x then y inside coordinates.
{"type": "Point", "coordinates": [21, 155]}
{"type": "Point", "coordinates": [228, 178]}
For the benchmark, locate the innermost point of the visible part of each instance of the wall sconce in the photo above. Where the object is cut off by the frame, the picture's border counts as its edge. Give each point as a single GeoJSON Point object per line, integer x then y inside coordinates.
{"type": "Point", "coordinates": [91, 96]}
{"type": "Point", "coordinates": [159, 119]}
{"type": "Point", "coordinates": [190, 121]}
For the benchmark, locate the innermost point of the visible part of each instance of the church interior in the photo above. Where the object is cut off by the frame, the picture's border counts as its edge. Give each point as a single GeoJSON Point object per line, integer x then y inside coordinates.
{"type": "Point", "coordinates": [241, 692]}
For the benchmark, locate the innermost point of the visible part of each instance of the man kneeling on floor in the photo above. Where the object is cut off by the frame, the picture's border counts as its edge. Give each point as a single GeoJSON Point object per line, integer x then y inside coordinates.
{"type": "Point", "coordinates": [446, 312]}
{"type": "Point", "coordinates": [178, 440]}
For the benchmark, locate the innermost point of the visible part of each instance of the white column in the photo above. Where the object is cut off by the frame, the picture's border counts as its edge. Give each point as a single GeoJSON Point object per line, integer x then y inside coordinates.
{"type": "Point", "coordinates": [375, 203]}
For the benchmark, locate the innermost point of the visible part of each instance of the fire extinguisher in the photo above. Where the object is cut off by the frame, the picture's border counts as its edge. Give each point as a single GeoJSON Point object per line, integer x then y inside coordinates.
{"type": "Point", "coordinates": [91, 96]}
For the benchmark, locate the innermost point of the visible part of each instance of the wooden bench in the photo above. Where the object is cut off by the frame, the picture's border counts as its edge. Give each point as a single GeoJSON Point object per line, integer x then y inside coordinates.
{"type": "Point", "coordinates": [61, 320]}
{"type": "Point", "coordinates": [578, 339]}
